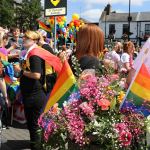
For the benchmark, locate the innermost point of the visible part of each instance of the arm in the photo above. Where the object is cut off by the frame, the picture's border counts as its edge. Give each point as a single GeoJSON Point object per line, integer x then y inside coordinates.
{"type": "Point", "coordinates": [127, 66]}
{"type": "Point", "coordinates": [130, 76]}
{"type": "Point", "coordinates": [32, 75]}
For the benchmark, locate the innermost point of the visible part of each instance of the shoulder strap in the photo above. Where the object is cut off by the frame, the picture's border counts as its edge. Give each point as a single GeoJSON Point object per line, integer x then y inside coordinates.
{"type": "Point", "coordinates": [51, 59]}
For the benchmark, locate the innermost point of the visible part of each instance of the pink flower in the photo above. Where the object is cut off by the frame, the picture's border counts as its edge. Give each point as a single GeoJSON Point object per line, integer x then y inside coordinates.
{"type": "Point", "coordinates": [104, 104]}
{"type": "Point", "coordinates": [41, 121]}
{"type": "Point", "coordinates": [125, 138]}
{"type": "Point", "coordinates": [114, 77]}
{"type": "Point", "coordinates": [49, 129]}
{"type": "Point", "coordinates": [87, 109]}
{"type": "Point", "coordinates": [120, 127]}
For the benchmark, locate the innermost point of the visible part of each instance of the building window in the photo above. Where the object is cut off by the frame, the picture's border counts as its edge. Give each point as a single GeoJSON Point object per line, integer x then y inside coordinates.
{"type": "Point", "coordinates": [112, 28]}
{"type": "Point", "coordinates": [125, 28]}
{"type": "Point", "coordinates": [147, 29]}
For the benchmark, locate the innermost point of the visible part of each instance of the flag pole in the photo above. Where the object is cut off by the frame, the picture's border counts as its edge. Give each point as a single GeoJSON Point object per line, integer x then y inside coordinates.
{"type": "Point", "coordinates": [55, 33]}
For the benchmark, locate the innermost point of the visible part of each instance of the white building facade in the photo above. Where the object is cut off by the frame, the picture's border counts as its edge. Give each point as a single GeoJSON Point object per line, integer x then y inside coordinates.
{"type": "Point", "coordinates": [118, 25]}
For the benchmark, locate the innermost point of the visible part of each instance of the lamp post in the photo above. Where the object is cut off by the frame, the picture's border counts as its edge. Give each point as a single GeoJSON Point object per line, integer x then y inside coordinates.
{"type": "Point", "coordinates": [105, 24]}
{"type": "Point", "coordinates": [129, 20]}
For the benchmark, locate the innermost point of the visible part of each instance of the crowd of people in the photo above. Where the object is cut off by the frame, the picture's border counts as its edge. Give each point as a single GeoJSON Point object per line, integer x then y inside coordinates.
{"type": "Point", "coordinates": [31, 71]}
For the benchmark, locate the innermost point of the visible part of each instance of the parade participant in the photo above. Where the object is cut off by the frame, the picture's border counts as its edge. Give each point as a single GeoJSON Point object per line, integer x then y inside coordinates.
{"type": "Point", "coordinates": [3, 56]}
{"type": "Point", "coordinates": [31, 85]}
{"type": "Point", "coordinates": [4, 102]}
{"type": "Point", "coordinates": [90, 42]}
{"type": "Point", "coordinates": [137, 62]}
{"type": "Point", "coordinates": [16, 40]}
{"type": "Point", "coordinates": [42, 42]}
{"type": "Point", "coordinates": [113, 57]}
{"type": "Point", "coordinates": [127, 56]}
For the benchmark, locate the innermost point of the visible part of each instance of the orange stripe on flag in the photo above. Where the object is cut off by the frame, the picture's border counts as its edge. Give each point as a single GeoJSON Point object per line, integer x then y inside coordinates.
{"type": "Point", "coordinates": [143, 81]}
{"type": "Point", "coordinates": [64, 76]}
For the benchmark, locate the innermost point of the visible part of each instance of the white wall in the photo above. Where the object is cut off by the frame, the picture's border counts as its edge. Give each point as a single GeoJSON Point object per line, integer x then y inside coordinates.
{"type": "Point", "coordinates": [143, 26]}
{"type": "Point", "coordinates": [119, 28]}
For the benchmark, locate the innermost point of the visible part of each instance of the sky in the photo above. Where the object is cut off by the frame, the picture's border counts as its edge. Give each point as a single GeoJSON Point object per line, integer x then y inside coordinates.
{"type": "Point", "coordinates": [91, 9]}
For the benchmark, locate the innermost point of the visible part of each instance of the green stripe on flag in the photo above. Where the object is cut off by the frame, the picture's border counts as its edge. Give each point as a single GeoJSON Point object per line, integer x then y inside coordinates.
{"type": "Point", "coordinates": [64, 98]}
{"type": "Point", "coordinates": [135, 99]}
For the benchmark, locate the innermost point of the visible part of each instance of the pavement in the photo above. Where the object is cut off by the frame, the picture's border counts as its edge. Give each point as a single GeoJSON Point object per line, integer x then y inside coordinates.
{"type": "Point", "coordinates": [15, 138]}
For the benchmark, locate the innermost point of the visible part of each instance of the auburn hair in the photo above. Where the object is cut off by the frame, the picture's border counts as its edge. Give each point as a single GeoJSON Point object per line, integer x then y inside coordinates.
{"type": "Point", "coordinates": [126, 47]}
{"type": "Point", "coordinates": [90, 41]}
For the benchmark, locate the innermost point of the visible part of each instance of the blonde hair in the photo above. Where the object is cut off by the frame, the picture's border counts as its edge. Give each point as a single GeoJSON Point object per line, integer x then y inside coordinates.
{"type": "Point", "coordinates": [33, 35]}
{"type": "Point", "coordinates": [3, 36]}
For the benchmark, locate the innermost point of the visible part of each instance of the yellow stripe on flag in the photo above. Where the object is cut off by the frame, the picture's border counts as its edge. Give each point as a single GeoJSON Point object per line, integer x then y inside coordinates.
{"type": "Point", "coordinates": [62, 79]}
{"type": "Point", "coordinates": [140, 91]}
{"type": "Point", "coordinates": [60, 92]}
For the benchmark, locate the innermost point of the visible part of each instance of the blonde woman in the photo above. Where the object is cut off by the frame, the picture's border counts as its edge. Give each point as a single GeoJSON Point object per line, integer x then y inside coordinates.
{"type": "Point", "coordinates": [31, 85]}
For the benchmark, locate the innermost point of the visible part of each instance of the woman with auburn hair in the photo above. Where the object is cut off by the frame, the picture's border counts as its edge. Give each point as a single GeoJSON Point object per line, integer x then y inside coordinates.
{"type": "Point", "coordinates": [32, 79]}
{"type": "Point", "coordinates": [127, 56]}
{"type": "Point", "coordinates": [90, 43]}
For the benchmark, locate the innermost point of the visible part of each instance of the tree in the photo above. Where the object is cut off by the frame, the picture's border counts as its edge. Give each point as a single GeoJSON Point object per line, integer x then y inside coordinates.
{"type": "Point", "coordinates": [6, 13]}
{"type": "Point", "coordinates": [28, 13]}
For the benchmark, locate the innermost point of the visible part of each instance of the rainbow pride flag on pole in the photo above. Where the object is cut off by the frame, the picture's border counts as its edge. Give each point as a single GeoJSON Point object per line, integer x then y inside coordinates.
{"type": "Point", "coordinates": [64, 87]}
{"type": "Point", "coordinates": [138, 94]}
{"type": "Point", "coordinates": [43, 26]}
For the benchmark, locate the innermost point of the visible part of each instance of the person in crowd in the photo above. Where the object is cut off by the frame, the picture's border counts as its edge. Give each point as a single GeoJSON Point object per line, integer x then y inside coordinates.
{"type": "Point", "coordinates": [32, 79]}
{"type": "Point", "coordinates": [119, 48]}
{"type": "Point", "coordinates": [15, 45]}
{"type": "Point", "coordinates": [3, 56]}
{"type": "Point", "coordinates": [127, 56]}
{"type": "Point", "coordinates": [113, 57]}
{"type": "Point", "coordinates": [90, 43]}
{"type": "Point", "coordinates": [42, 42]}
{"type": "Point", "coordinates": [16, 40]}
{"type": "Point", "coordinates": [138, 61]}
{"type": "Point", "coordinates": [4, 101]}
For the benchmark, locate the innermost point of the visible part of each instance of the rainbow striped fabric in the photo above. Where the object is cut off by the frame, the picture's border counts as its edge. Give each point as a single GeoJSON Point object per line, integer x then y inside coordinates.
{"type": "Point", "coordinates": [43, 26]}
{"type": "Point", "coordinates": [3, 54]}
{"type": "Point", "coordinates": [8, 80]}
{"type": "Point", "coordinates": [138, 95]}
{"type": "Point", "coordinates": [64, 87]}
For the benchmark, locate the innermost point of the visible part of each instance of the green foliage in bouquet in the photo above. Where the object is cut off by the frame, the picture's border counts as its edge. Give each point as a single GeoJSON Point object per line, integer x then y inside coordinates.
{"type": "Point", "coordinates": [91, 120]}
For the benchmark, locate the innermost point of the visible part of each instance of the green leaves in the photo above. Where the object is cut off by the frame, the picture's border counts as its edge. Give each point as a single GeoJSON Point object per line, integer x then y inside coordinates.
{"type": "Point", "coordinates": [28, 13]}
{"type": "Point", "coordinates": [113, 104]}
{"type": "Point", "coordinates": [7, 13]}
{"type": "Point", "coordinates": [23, 15]}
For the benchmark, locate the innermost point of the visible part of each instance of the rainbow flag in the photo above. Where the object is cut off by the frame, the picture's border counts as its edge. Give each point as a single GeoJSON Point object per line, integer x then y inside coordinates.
{"type": "Point", "coordinates": [138, 95]}
{"type": "Point", "coordinates": [43, 26]}
{"type": "Point", "coordinates": [3, 54]}
{"type": "Point", "coordinates": [64, 87]}
{"type": "Point", "coordinates": [8, 80]}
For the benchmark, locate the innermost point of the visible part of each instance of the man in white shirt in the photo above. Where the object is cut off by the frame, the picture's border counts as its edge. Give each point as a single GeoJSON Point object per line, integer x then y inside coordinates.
{"type": "Point", "coordinates": [113, 57]}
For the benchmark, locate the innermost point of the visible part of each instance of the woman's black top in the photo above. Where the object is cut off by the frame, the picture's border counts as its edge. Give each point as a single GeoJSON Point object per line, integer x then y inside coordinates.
{"type": "Point", "coordinates": [89, 62]}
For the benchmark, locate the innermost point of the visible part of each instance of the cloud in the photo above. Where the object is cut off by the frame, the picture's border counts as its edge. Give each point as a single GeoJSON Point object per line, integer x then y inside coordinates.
{"type": "Point", "coordinates": [125, 2]}
{"type": "Point", "coordinates": [92, 15]}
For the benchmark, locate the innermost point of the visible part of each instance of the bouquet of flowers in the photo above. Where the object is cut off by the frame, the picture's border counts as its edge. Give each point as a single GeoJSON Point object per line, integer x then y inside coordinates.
{"type": "Point", "coordinates": [90, 118]}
